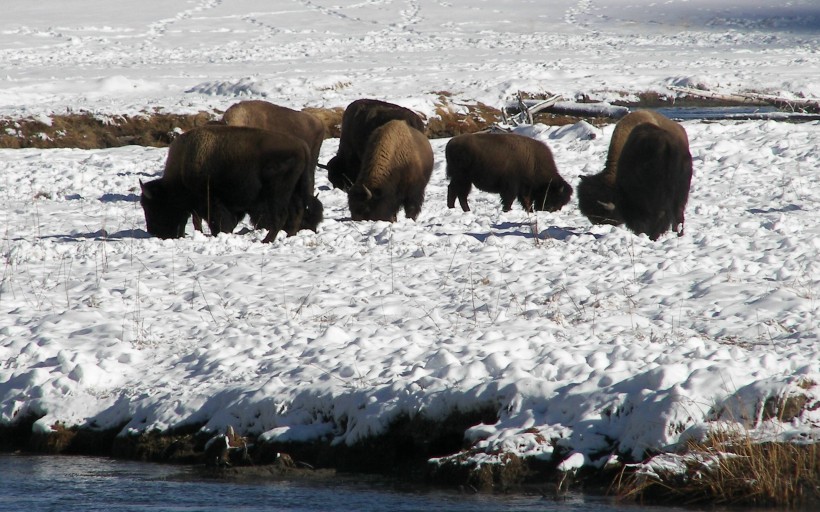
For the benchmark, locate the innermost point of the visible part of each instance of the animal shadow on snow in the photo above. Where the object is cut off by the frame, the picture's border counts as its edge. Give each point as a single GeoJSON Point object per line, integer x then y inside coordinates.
{"type": "Point", "coordinates": [108, 198]}
{"type": "Point", "coordinates": [524, 230]}
{"type": "Point", "coordinates": [102, 234]}
{"type": "Point", "coordinates": [782, 209]}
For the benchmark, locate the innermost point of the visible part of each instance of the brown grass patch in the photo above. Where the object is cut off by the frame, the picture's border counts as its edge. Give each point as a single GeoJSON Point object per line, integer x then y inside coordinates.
{"type": "Point", "coordinates": [88, 131]}
{"type": "Point", "coordinates": [729, 468]}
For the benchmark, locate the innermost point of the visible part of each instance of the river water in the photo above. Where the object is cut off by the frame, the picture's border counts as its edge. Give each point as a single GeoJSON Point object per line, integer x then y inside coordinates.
{"type": "Point", "coordinates": [65, 484]}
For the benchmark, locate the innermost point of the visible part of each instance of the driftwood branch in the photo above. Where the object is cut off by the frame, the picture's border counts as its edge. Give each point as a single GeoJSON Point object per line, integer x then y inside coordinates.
{"type": "Point", "coordinates": [751, 98]}
{"type": "Point", "coordinates": [526, 109]}
{"type": "Point", "coordinates": [522, 111]}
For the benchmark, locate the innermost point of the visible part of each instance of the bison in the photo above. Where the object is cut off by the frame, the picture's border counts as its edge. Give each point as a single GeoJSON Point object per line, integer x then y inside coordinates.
{"type": "Point", "coordinates": [514, 166]}
{"type": "Point", "coordinates": [646, 178]}
{"type": "Point", "coordinates": [305, 210]}
{"type": "Point", "coordinates": [359, 121]}
{"type": "Point", "coordinates": [220, 174]}
{"type": "Point", "coordinates": [396, 167]}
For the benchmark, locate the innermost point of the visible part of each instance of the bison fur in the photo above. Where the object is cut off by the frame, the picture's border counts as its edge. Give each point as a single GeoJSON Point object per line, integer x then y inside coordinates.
{"type": "Point", "coordinates": [305, 210]}
{"type": "Point", "coordinates": [220, 174]}
{"type": "Point", "coordinates": [513, 166]}
{"type": "Point", "coordinates": [395, 171]}
{"type": "Point", "coordinates": [360, 119]}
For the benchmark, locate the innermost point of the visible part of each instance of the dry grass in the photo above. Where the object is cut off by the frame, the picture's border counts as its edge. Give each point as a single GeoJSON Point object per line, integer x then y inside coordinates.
{"type": "Point", "coordinates": [85, 130]}
{"type": "Point", "coordinates": [729, 468]}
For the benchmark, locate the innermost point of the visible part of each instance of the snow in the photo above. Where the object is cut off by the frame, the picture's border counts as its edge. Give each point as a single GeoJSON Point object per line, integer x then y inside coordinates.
{"type": "Point", "coordinates": [587, 339]}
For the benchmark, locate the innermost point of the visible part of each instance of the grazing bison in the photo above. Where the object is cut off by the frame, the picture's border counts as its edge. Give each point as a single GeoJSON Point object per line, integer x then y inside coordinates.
{"type": "Point", "coordinates": [395, 170]}
{"type": "Point", "coordinates": [645, 182]}
{"type": "Point", "coordinates": [305, 210]}
{"type": "Point", "coordinates": [653, 179]}
{"type": "Point", "coordinates": [220, 174]}
{"type": "Point", "coordinates": [359, 121]}
{"type": "Point", "coordinates": [511, 165]}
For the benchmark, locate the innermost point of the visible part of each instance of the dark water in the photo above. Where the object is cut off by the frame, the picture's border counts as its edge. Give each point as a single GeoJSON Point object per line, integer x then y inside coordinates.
{"type": "Point", "coordinates": [37, 483]}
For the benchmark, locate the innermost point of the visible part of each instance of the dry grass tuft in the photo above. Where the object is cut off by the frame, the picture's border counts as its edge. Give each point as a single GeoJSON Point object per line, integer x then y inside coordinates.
{"type": "Point", "coordinates": [451, 119]}
{"type": "Point", "coordinates": [85, 130]}
{"type": "Point", "coordinates": [729, 468]}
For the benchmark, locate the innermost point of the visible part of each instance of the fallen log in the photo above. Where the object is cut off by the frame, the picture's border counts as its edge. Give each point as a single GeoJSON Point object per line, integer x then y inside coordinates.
{"type": "Point", "coordinates": [522, 111]}
{"type": "Point", "coordinates": [798, 105]}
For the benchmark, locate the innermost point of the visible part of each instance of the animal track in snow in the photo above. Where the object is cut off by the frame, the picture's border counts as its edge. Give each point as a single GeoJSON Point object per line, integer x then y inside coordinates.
{"type": "Point", "coordinates": [159, 28]}
{"type": "Point", "coordinates": [573, 13]}
{"type": "Point", "coordinates": [335, 12]}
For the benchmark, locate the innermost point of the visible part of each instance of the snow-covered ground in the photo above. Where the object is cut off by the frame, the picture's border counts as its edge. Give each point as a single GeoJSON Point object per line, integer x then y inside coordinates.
{"type": "Point", "coordinates": [589, 335]}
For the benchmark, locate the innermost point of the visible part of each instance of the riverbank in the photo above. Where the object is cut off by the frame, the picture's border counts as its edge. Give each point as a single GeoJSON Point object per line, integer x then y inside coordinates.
{"type": "Point", "coordinates": [729, 469]}
{"type": "Point", "coordinates": [101, 130]}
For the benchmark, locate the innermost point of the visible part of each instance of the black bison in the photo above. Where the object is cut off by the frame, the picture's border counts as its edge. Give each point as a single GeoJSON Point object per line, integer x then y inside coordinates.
{"type": "Point", "coordinates": [359, 121]}
{"type": "Point", "coordinates": [305, 210]}
{"type": "Point", "coordinates": [514, 166]}
{"type": "Point", "coordinates": [645, 182]}
{"type": "Point", "coordinates": [221, 173]}
{"type": "Point", "coordinates": [395, 170]}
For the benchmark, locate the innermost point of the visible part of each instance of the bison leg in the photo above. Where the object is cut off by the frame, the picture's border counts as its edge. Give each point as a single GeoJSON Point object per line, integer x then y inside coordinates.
{"type": "Point", "coordinates": [526, 202]}
{"type": "Point", "coordinates": [412, 206]}
{"type": "Point", "coordinates": [196, 220]}
{"type": "Point", "coordinates": [296, 212]}
{"type": "Point", "coordinates": [451, 197]}
{"type": "Point", "coordinates": [507, 200]}
{"type": "Point", "coordinates": [277, 192]}
{"type": "Point", "coordinates": [220, 219]}
{"type": "Point", "coordinates": [458, 189]}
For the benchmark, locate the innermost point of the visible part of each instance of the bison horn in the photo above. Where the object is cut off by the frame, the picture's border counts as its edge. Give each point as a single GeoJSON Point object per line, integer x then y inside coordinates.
{"type": "Point", "coordinates": [367, 192]}
{"type": "Point", "coordinates": [145, 191]}
{"type": "Point", "coordinates": [608, 206]}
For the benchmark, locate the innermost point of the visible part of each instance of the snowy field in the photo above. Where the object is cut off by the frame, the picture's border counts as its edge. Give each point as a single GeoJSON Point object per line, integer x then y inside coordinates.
{"type": "Point", "coordinates": [588, 335]}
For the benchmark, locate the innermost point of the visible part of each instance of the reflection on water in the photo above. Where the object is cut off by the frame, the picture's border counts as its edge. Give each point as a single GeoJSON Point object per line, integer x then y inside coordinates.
{"type": "Point", "coordinates": [61, 483]}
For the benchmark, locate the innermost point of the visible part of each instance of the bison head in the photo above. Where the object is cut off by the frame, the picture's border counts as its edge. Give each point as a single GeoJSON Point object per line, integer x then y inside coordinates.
{"type": "Point", "coordinates": [366, 204]}
{"type": "Point", "coordinates": [596, 200]}
{"type": "Point", "coordinates": [552, 197]}
{"type": "Point", "coordinates": [340, 174]}
{"type": "Point", "coordinates": [164, 216]}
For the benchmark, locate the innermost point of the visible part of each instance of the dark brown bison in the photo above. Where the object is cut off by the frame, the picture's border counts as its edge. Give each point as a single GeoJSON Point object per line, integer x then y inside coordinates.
{"type": "Point", "coordinates": [305, 210]}
{"type": "Point", "coordinates": [645, 182]}
{"type": "Point", "coordinates": [221, 173]}
{"type": "Point", "coordinates": [395, 170]}
{"type": "Point", "coordinates": [514, 166]}
{"type": "Point", "coordinates": [359, 121]}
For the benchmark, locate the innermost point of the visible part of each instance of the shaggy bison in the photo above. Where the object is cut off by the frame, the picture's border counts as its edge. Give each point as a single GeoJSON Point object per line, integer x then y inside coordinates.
{"type": "Point", "coordinates": [305, 210]}
{"type": "Point", "coordinates": [646, 179]}
{"type": "Point", "coordinates": [220, 174]}
{"type": "Point", "coordinates": [514, 166]}
{"type": "Point", "coordinates": [395, 170]}
{"type": "Point", "coordinates": [359, 121]}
